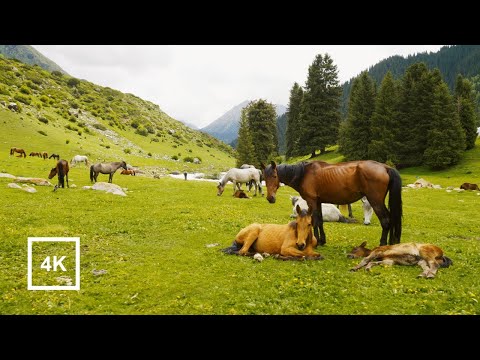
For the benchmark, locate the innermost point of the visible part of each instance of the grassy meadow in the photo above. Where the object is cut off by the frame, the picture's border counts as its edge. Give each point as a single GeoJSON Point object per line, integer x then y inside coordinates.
{"type": "Point", "coordinates": [160, 246]}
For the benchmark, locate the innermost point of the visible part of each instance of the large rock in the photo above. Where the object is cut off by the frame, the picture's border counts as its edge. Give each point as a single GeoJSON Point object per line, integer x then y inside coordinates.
{"type": "Point", "coordinates": [109, 188]}
{"type": "Point", "coordinates": [36, 181]}
{"type": "Point", "coordinates": [5, 175]}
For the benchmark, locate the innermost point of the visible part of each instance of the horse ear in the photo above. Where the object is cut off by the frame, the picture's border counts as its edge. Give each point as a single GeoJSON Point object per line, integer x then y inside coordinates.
{"type": "Point", "coordinates": [363, 244]}
{"type": "Point", "coordinates": [273, 164]}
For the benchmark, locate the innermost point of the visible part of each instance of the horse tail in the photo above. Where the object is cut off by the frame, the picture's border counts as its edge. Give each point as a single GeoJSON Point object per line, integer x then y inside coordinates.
{"type": "Point", "coordinates": [446, 262]}
{"type": "Point", "coordinates": [395, 205]}
{"type": "Point", "coordinates": [232, 250]}
{"type": "Point", "coordinates": [91, 173]}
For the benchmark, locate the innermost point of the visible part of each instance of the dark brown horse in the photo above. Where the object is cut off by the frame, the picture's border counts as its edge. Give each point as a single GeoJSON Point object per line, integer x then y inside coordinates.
{"type": "Point", "coordinates": [17, 150]}
{"type": "Point", "coordinates": [128, 172]}
{"type": "Point", "coordinates": [61, 169]}
{"type": "Point", "coordinates": [55, 156]}
{"type": "Point", "coordinates": [468, 186]}
{"type": "Point", "coordinates": [343, 183]}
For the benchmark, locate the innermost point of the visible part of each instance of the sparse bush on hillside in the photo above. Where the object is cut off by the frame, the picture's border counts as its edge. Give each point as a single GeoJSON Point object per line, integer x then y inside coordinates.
{"type": "Point", "coordinates": [135, 124]}
{"type": "Point", "coordinates": [188, 159]}
{"type": "Point", "coordinates": [70, 127]}
{"type": "Point", "coordinates": [99, 126]}
{"type": "Point", "coordinates": [127, 151]}
{"type": "Point", "coordinates": [22, 98]}
{"type": "Point", "coordinates": [31, 85]}
{"type": "Point", "coordinates": [43, 119]}
{"type": "Point", "coordinates": [67, 141]}
{"type": "Point", "coordinates": [72, 119]}
{"type": "Point", "coordinates": [4, 90]}
{"type": "Point", "coordinates": [141, 131]}
{"type": "Point", "coordinates": [174, 157]}
{"type": "Point", "coordinates": [150, 129]}
{"type": "Point", "coordinates": [155, 140]}
{"type": "Point", "coordinates": [57, 73]}
{"type": "Point", "coordinates": [25, 90]}
{"type": "Point", "coordinates": [73, 82]}
{"type": "Point", "coordinates": [149, 154]}
{"type": "Point", "coordinates": [42, 132]}
{"type": "Point", "coordinates": [44, 99]}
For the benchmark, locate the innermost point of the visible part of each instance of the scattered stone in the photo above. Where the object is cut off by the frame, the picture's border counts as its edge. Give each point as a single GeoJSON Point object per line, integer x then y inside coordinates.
{"type": "Point", "coordinates": [64, 280]}
{"type": "Point", "coordinates": [96, 272]}
{"type": "Point", "coordinates": [212, 245]}
{"type": "Point", "coordinates": [258, 257]}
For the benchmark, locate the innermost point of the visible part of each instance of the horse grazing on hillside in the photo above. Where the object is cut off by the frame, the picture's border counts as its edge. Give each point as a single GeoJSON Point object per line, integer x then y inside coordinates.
{"type": "Point", "coordinates": [429, 257]}
{"type": "Point", "coordinates": [241, 194]}
{"type": "Point", "coordinates": [44, 155]}
{"type": "Point", "coordinates": [79, 158]}
{"type": "Point", "coordinates": [239, 176]}
{"type": "Point", "coordinates": [61, 169]}
{"type": "Point", "coordinates": [54, 156]}
{"type": "Point", "coordinates": [128, 172]}
{"type": "Point", "coordinates": [468, 186]}
{"type": "Point", "coordinates": [343, 183]}
{"type": "Point", "coordinates": [106, 168]}
{"type": "Point", "coordinates": [293, 241]}
{"type": "Point", "coordinates": [19, 151]}
{"type": "Point", "coordinates": [33, 153]}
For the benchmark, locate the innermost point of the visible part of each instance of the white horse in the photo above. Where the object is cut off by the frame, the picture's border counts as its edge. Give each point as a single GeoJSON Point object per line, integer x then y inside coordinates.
{"type": "Point", "coordinates": [331, 213]}
{"type": "Point", "coordinates": [240, 176]}
{"type": "Point", "coordinates": [251, 182]}
{"type": "Point", "coordinates": [79, 158]}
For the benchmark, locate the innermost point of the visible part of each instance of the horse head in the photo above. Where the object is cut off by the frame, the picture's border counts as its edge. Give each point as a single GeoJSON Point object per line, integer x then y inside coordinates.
{"type": "Point", "coordinates": [359, 251]}
{"type": "Point", "coordinates": [303, 228]}
{"type": "Point", "coordinates": [220, 188]}
{"type": "Point", "coordinates": [53, 172]}
{"type": "Point", "coordinates": [271, 180]}
{"type": "Point", "coordinates": [124, 165]}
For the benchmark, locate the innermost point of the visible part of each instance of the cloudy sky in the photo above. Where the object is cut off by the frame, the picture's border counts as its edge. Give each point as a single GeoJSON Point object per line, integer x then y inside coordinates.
{"type": "Point", "coordinates": [199, 83]}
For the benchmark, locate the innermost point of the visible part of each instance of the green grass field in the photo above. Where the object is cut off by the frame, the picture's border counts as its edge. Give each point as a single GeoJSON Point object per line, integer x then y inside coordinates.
{"type": "Point", "coordinates": [153, 245]}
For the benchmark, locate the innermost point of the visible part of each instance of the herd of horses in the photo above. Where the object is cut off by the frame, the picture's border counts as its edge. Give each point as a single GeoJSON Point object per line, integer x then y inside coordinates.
{"type": "Point", "coordinates": [319, 183]}
{"type": "Point", "coordinates": [62, 167]}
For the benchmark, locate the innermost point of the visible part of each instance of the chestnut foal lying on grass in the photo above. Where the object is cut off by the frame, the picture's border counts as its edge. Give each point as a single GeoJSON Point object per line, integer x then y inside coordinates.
{"type": "Point", "coordinates": [293, 241]}
{"type": "Point", "coordinates": [428, 256]}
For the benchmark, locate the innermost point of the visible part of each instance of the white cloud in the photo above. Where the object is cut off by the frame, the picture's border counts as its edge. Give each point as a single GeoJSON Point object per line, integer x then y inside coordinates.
{"type": "Point", "coordinates": [200, 83]}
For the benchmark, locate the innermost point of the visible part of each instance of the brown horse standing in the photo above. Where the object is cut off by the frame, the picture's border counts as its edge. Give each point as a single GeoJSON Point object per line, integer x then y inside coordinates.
{"type": "Point", "coordinates": [291, 241]}
{"type": "Point", "coordinates": [343, 183]}
{"type": "Point", "coordinates": [61, 169]}
{"type": "Point", "coordinates": [468, 186]}
{"type": "Point", "coordinates": [17, 150]}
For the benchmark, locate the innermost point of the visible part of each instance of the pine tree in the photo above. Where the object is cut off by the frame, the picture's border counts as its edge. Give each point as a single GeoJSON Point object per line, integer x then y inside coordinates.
{"type": "Point", "coordinates": [445, 139]}
{"type": "Point", "coordinates": [415, 113]}
{"type": "Point", "coordinates": [382, 147]}
{"type": "Point", "coordinates": [245, 150]}
{"type": "Point", "coordinates": [356, 133]}
{"type": "Point", "coordinates": [292, 135]}
{"type": "Point", "coordinates": [465, 101]}
{"type": "Point", "coordinates": [320, 110]}
{"type": "Point", "coordinates": [261, 117]}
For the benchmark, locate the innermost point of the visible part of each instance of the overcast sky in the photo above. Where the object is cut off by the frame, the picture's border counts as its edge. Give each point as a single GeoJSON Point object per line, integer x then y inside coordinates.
{"type": "Point", "coordinates": [199, 83]}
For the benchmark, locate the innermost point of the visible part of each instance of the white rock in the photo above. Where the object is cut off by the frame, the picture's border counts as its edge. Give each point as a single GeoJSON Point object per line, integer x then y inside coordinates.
{"type": "Point", "coordinates": [258, 257]}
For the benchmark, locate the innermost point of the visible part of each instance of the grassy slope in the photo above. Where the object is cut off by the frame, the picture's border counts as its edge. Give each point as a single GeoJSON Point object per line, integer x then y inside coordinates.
{"type": "Point", "coordinates": [51, 98]}
{"type": "Point", "coordinates": [153, 243]}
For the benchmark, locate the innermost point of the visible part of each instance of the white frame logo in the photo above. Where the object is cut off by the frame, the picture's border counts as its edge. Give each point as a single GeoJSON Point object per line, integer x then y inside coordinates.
{"type": "Point", "coordinates": [76, 240]}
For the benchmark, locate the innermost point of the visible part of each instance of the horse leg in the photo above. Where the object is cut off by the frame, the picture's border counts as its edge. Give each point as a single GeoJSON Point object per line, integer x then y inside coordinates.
{"type": "Point", "coordinates": [350, 214]}
{"type": "Point", "coordinates": [384, 217]}
{"type": "Point", "coordinates": [66, 175]}
{"type": "Point", "coordinates": [110, 177]}
{"type": "Point", "coordinates": [247, 236]}
{"type": "Point", "coordinates": [318, 223]}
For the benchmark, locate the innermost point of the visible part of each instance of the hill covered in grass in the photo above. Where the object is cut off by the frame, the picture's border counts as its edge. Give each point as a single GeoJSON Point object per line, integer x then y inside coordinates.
{"type": "Point", "coordinates": [29, 55]}
{"type": "Point", "coordinates": [68, 116]}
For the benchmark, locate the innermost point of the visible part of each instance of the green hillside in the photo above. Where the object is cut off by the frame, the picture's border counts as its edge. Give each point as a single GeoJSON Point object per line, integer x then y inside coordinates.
{"type": "Point", "coordinates": [29, 55]}
{"type": "Point", "coordinates": [64, 115]}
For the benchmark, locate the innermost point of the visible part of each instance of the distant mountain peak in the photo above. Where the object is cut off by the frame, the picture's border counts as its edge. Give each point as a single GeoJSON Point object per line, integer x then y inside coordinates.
{"type": "Point", "coordinates": [29, 55]}
{"type": "Point", "coordinates": [226, 127]}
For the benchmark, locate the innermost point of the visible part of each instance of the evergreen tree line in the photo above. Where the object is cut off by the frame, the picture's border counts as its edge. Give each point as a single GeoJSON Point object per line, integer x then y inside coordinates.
{"type": "Point", "coordinates": [412, 121]}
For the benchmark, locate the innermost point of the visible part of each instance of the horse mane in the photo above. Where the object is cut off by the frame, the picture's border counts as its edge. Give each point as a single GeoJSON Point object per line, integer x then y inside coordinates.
{"type": "Point", "coordinates": [291, 174]}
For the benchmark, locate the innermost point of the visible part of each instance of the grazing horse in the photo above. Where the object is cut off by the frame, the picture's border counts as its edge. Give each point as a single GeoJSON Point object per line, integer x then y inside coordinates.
{"type": "Point", "coordinates": [17, 150]}
{"type": "Point", "coordinates": [429, 257]}
{"type": "Point", "coordinates": [79, 158]}
{"type": "Point", "coordinates": [239, 176]}
{"type": "Point", "coordinates": [106, 168]}
{"type": "Point", "coordinates": [343, 183]}
{"type": "Point", "coordinates": [468, 186]}
{"type": "Point", "coordinates": [61, 169]}
{"type": "Point", "coordinates": [35, 154]}
{"type": "Point", "coordinates": [54, 156]}
{"type": "Point", "coordinates": [44, 155]}
{"type": "Point", "coordinates": [128, 172]}
{"type": "Point", "coordinates": [293, 241]}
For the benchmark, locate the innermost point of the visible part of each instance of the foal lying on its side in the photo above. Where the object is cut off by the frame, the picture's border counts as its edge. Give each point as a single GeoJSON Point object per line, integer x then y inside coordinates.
{"type": "Point", "coordinates": [428, 256]}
